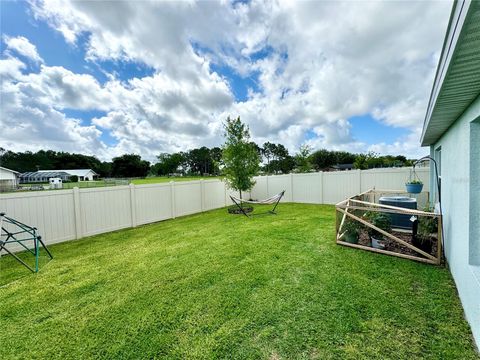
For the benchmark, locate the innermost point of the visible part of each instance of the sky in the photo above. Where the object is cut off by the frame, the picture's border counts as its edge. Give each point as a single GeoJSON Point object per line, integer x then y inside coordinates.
{"type": "Point", "coordinates": [115, 77]}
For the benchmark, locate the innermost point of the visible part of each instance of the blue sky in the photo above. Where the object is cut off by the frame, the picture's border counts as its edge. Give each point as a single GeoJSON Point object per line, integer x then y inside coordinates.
{"type": "Point", "coordinates": [166, 85]}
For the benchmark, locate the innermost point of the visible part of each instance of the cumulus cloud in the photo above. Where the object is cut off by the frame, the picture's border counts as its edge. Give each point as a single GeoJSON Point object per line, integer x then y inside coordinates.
{"type": "Point", "coordinates": [23, 47]}
{"type": "Point", "coordinates": [315, 65]}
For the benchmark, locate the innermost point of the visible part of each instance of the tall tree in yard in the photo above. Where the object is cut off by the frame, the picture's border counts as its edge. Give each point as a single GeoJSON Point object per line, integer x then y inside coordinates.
{"type": "Point", "coordinates": [240, 158]}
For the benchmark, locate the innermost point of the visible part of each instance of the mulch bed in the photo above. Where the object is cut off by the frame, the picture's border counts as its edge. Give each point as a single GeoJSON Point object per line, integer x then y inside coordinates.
{"type": "Point", "coordinates": [235, 210]}
{"type": "Point", "coordinates": [391, 245]}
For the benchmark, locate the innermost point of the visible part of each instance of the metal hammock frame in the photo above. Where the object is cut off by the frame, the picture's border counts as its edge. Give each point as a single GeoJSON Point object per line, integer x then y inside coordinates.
{"type": "Point", "coordinates": [22, 234]}
{"type": "Point", "coordinates": [271, 200]}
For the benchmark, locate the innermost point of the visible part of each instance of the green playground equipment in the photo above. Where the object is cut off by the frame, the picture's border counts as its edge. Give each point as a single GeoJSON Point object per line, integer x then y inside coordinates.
{"type": "Point", "coordinates": [14, 232]}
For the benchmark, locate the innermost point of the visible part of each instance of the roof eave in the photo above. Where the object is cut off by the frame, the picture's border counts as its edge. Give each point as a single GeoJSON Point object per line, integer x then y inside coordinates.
{"type": "Point", "coordinates": [454, 28]}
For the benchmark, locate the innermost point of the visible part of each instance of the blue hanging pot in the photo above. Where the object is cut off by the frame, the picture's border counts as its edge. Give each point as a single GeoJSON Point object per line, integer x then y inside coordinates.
{"type": "Point", "coordinates": [414, 188]}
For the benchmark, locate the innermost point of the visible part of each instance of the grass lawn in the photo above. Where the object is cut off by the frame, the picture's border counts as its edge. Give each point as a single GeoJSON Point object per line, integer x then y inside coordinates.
{"type": "Point", "coordinates": [163, 179]}
{"type": "Point", "coordinates": [214, 285]}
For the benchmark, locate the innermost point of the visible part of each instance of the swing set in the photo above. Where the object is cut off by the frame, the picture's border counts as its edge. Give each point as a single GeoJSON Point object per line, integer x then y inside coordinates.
{"type": "Point", "coordinates": [13, 232]}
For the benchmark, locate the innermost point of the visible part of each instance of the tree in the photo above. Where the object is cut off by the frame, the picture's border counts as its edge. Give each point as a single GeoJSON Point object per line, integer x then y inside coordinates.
{"type": "Point", "coordinates": [168, 163]}
{"type": "Point", "coordinates": [267, 152]}
{"type": "Point", "coordinates": [302, 159]}
{"type": "Point", "coordinates": [240, 158]}
{"type": "Point", "coordinates": [322, 159]}
{"type": "Point", "coordinates": [200, 161]}
{"type": "Point", "coordinates": [216, 155]}
{"type": "Point", "coordinates": [130, 165]}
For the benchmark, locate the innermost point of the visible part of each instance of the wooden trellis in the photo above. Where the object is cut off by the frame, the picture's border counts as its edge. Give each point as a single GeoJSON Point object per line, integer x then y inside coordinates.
{"type": "Point", "coordinates": [361, 203]}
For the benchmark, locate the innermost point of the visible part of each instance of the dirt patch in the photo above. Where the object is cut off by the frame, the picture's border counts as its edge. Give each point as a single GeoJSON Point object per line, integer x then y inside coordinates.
{"type": "Point", "coordinates": [392, 245]}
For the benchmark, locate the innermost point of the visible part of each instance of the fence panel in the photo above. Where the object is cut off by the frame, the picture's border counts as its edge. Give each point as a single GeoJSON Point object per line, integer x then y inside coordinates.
{"type": "Point", "coordinates": [339, 185]}
{"type": "Point", "coordinates": [51, 212]}
{"type": "Point", "coordinates": [214, 194]}
{"type": "Point", "coordinates": [259, 191]}
{"type": "Point", "coordinates": [188, 197]}
{"type": "Point", "coordinates": [391, 179]}
{"type": "Point", "coordinates": [277, 184]}
{"type": "Point", "coordinates": [105, 209]}
{"type": "Point", "coordinates": [307, 188]}
{"type": "Point", "coordinates": [153, 203]}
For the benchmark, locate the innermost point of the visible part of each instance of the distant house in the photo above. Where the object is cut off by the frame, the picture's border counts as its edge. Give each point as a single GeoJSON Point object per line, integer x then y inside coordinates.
{"type": "Point", "coordinates": [83, 174]}
{"type": "Point", "coordinates": [341, 167]}
{"type": "Point", "coordinates": [452, 131]}
{"type": "Point", "coordinates": [8, 178]}
{"type": "Point", "coordinates": [43, 176]}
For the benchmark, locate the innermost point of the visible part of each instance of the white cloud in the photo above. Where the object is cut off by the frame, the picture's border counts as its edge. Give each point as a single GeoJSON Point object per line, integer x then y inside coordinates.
{"type": "Point", "coordinates": [326, 62]}
{"type": "Point", "coordinates": [22, 46]}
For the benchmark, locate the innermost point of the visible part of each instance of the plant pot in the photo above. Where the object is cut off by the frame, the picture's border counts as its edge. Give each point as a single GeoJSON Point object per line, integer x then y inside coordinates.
{"type": "Point", "coordinates": [414, 188]}
{"type": "Point", "coordinates": [423, 244]}
{"type": "Point", "coordinates": [377, 243]}
{"type": "Point", "coordinates": [351, 238]}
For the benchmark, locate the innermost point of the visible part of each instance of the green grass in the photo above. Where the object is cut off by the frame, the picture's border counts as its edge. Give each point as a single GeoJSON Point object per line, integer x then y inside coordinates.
{"type": "Point", "coordinates": [214, 285]}
{"type": "Point", "coordinates": [164, 179]}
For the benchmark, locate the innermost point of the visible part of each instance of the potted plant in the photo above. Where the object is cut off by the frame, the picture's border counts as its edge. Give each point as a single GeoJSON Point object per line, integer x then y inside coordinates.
{"type": "Point", "coordinates": [414, 186]}
{"type": "Point", "coordinates": [352, 230]}
{"type": "Point", "coordinates": [426, 232]}
{"type": "Point", "coordinates": [380, 220]}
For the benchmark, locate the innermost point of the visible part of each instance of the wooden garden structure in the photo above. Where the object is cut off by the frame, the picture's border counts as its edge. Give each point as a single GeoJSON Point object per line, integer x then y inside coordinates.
{"type": "Point", "coordinates": [355, 208]}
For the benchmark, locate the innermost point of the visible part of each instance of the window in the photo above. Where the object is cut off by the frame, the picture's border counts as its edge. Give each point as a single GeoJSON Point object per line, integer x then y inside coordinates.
{"type": "Point", "coordinates": [474, 218]}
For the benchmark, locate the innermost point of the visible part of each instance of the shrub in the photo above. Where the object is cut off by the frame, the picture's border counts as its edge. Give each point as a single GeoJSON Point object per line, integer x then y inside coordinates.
{"type": "Point", "coordinates": [415, 181]}
{"type": "Point", "coordinates": [380, 220]}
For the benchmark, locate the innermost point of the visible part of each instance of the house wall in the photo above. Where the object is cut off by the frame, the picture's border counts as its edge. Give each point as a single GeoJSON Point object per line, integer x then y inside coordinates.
{"type": "Point", "coordinates": [460, 197]}
{"type": "Point", "coordinates": [8, 178]}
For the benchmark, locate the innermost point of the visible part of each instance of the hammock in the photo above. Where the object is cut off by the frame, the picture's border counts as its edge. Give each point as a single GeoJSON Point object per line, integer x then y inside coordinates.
{"type": "Point", "coordinates": [271, 200]}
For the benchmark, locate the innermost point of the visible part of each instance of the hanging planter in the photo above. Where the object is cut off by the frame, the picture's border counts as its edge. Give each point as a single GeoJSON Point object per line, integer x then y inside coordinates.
{"type": "Point", "coordinates": [414, 185]}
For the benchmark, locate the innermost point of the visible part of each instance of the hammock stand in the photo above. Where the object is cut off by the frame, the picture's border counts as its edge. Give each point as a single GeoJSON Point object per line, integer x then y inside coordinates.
{"type": "Point", "coordinates": [272, 200]}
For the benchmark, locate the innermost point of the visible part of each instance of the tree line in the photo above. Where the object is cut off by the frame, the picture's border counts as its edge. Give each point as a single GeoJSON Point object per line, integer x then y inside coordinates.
{"type": "Point", "coordinates": [274, 159]}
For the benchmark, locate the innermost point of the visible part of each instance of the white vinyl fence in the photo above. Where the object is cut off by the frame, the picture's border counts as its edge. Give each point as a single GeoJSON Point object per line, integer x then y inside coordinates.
{"type": "Point", "coordinates": [63, 215]}
{"type": "Point", "coordinates": [333, 187]}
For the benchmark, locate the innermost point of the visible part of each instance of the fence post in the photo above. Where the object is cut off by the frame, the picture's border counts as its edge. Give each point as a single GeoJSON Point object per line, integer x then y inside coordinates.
{"type": "Point", "coordinates": [225, 191]}
{"type": "Point", "coordinates": [202, 193]}
{"type": "Point", "coordinates": [133, 207]}
{"type": "Point", "coordinates": [267, 186]}
{"type": "Point", "coordinates": [359, 172]}
{"type": "Point", "coordinates": [172, 196]}
{"type": "Point", "coordinates": [77, 213]}
{"type": "Point", "coordinates": [321, 187]}
{"type": "Point", "coordinates": [291, 187]}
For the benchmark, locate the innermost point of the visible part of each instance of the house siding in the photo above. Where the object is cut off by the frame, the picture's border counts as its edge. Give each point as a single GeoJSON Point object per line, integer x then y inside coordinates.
{"type": "Point", "coordinates": [459, 195]}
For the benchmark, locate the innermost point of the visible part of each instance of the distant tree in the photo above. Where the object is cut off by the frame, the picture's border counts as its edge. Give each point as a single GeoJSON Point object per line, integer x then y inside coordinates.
{"type": "Point", "coordinates": [344, 157]}
{"type": "Point", "coordinates": [73, 178]}
{"type": "Point", "coordinates": [302, 159]}
{"type": "Point", "coordinates": [240, 158]}
{"type": "Point", "coordinates": [168, 163]}
{"type": "Point", "coordinates": [130, 165]}
{"type": "Point", "coordinates": [360, 162]}
{"type": "Point", "coordinates": [322, 159]}
{"type": "Point", "coordinates": [216, 155]}
{"type": "Point", "coordinates": [200, 161]}
{"type": "Point", "coordinates": [267, 151]}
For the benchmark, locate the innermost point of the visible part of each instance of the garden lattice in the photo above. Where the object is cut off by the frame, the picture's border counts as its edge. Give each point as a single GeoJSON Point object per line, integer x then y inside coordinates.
{"type": "Point", "coordinates": [401, 242]}
{"type": "Point", "coordinates": [14, 232]}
